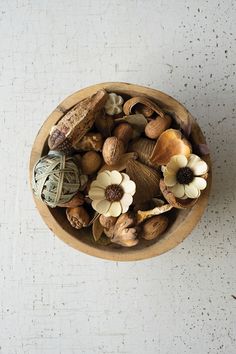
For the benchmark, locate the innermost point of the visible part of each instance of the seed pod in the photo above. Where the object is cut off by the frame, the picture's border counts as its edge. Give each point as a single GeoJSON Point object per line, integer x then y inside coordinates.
{"type": "Point", "coordinates": [78, 217]}
{"type": "Point", "coordinates": [112, 151]}
{"type": "Point", "coordinates": [154, 227]}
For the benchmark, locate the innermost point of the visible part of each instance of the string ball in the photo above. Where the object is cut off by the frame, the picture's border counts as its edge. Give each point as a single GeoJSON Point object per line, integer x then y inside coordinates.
{"type": "Point", "coordinates": [56, 179]}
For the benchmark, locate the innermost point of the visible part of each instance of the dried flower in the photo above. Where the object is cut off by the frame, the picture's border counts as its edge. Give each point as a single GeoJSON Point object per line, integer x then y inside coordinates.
{"type": "Point", "coordinates": [114, 104]}
{"type": "Point", "coordinates": [112, 193]}
{"type": "Point", "coordinates": [183, 176]}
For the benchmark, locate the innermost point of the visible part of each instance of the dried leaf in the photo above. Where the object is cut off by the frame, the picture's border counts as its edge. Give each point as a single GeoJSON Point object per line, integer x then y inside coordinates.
{"type": "Point", "coordinates": [97, 229]}
{"type": "Point", "coordinates": [144, 215]}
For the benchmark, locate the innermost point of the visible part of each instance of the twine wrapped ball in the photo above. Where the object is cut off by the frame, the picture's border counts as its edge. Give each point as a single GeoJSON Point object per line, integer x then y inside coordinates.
{"type": "Point", "coordinates": [56, 179]}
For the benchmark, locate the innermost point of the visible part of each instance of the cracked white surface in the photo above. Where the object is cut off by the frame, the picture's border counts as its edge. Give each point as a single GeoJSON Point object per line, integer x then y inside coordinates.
{"type": "Point", "coordinates": [54, 299]}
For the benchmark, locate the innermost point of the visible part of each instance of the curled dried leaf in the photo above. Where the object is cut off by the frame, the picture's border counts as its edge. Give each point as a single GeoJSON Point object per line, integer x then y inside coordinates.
{"type": "Point", "coordinates": [144, 101]}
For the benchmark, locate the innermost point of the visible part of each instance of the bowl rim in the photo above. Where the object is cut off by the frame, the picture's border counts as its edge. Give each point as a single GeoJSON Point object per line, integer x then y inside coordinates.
{"type": "Point", "coordinates": [161, 246]}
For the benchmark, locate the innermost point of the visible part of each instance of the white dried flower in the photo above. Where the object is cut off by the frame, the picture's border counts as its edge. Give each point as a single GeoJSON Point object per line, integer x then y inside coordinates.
{"type": "Point", "coordinates": [112, 193]}
{"type": "Point", "coordinates": [182, 176]}
{"type": "Point", "coordinates": [113, 104]}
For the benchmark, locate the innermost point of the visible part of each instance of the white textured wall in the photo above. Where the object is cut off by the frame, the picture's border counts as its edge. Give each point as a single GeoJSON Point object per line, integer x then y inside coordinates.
{"type": "Point", "coordinates": [56, 300]}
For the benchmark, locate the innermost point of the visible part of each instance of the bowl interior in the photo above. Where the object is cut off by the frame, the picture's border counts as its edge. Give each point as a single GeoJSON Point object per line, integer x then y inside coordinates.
{"type": "Point", "coordinates": [181, 221]}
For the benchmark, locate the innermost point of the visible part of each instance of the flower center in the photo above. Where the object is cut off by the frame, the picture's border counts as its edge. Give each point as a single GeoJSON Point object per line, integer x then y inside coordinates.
{"type": "Point", "coordinates": [114, 193]}
{"type": "Point", "coordinates": [184, 175]}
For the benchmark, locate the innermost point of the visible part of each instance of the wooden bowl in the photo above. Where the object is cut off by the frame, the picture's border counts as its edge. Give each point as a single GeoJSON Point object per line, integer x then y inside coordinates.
{"type": "Point", "coordinates": [82, 240]}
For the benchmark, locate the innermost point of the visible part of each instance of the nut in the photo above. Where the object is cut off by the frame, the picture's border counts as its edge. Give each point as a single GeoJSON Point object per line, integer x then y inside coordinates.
{"type": "Point", "coordinates": [78, 217]}
{"type": "Point", "coordinates": [91, 162]}
{"type": "Point", "coordinates": [112, 151]}
{"type": "Point", "coordinates": [154, 227]}
{"type": "Point", "coordinates": [157, 126]}
{"type": "Point", "coordinates": [107, 221]}
{"type": "Point", "coordinates": [77, 200]}
{"type": "Point", "coordinates": [104, 124]}
{"type": "Point", "coordinates": [91, 141]}
{"type": "Point", "coordinates": [124, 132]}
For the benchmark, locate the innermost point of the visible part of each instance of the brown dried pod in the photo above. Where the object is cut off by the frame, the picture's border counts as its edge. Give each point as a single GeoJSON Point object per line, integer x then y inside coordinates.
{"type": "Point", "coordinates": [107, 221]}
{"type": "Point", "coordinates": [97, 229]}
{"type": "Point", "coordinates": [104, 124]}
{"type": "Point", "coordinates": [144, 215]}
{"type": "Point", "coordinates": [144, 148]}
{"type": "Point", "coordinates": [78, 217]}
{"type": "Point", "coordinates": [112, 151]}
{"type": "Point", "coordinates": [157, 126]}
{"type": "Point", "coordinates": [124, 132]}
{"type": "Point", "coordinates": [124, 232]}
{"type": "Point", "coordinates": [154, 227]}
{"type": "Point", "coordinates": [91, 141]}
{"type": "Point", "coordinates": [146, 179]}
{"type": "Point", "coordinates": [91, 162]}
{"type": "Point", "coordinates": [77, 122]}
{"type": "Point", "coordinates": [132, 102]}
{"type": "Point", "coordinates": [171, 142]}
{"type": "Point", "coordinates": [121, 164]}
{"type": "Point", "coordinates": [77, 200]}
{"type": "Point", "coordinates": [172, 200]}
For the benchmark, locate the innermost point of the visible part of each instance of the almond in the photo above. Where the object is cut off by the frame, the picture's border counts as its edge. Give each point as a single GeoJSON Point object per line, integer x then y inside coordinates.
{"type": "Point", "coordinates": [155, 127]}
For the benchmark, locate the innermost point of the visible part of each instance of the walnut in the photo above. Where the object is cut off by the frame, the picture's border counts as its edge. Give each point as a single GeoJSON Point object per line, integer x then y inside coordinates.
{"type": "Point", "coordinates": [124, 232]}
{"type": "Point", "coordinates": [78, 217]}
